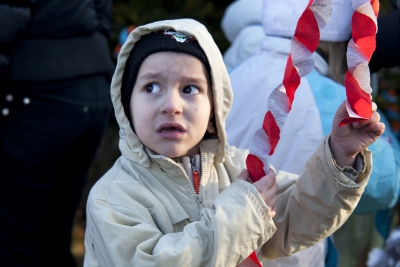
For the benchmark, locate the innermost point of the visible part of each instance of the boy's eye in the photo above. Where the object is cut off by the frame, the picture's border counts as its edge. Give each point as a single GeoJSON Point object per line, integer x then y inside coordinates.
{"type": "Point", "coordinates": [191, 90]}
{"type": "Point", "coordinates": [152, 88]}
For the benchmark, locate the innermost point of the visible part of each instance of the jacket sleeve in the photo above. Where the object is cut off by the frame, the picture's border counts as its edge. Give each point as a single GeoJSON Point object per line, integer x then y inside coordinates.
{"type": "Point", "coordinates": [316, 205]}
{"type": "Point", "coordinates": [13, 20]}
{"type": "Point", "coordinates": [129, 235]}
{"type": "Point", "coordinates": [103, 9]}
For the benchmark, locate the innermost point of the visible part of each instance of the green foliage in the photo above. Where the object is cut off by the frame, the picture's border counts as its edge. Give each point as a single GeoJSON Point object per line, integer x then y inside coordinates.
{"type": "Point", "coordinates": [384, 7]}
{"type": "Point", "coordinates": [139, 12]}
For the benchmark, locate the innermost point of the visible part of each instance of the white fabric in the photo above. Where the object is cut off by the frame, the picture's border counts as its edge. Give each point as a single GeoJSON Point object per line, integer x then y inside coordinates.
{"type": "Point", "coordinates": [280, 19]}
{"type": "Point", "coordinates": [238, 15]}
{"type": "Point", "coordinates": [245, 45]}
{"type": "Point", "coordinates": [263, 73]}
{"type": "Point", "coordinates": [320, 64]}
{"type": "Point", "coordinates": [305, 258]}
{"type": "Point", "coordinates": [242, 26]}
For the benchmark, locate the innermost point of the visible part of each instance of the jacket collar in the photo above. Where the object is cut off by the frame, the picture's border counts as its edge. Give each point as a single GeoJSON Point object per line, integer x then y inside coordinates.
{"type": "Point", "coordinates": [178, 183]}
{"type": "Point", "coordinates": [208, 150]}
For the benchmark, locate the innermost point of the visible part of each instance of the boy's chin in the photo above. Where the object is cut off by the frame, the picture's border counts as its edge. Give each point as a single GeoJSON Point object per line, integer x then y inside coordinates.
{"type": "Point", "coordinates": [174, 150]}
{"type": "Point", "coordinates": [178, 154]}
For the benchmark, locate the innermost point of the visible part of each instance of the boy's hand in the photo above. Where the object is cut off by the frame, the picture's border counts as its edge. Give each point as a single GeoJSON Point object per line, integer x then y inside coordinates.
{"type": "Point", "coordinates": [267, 188]}
{"type": "Point", "coordinates": [347, 141]}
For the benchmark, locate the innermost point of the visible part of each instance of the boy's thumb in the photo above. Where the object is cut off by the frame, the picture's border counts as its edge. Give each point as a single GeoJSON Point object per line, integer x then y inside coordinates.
{"type": "Point", "coordinates": [244, 175]}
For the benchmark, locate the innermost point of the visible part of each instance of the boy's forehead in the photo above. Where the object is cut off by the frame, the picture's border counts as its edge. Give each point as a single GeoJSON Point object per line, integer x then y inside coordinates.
{"type": "Point", "coordinates": [164, 64]}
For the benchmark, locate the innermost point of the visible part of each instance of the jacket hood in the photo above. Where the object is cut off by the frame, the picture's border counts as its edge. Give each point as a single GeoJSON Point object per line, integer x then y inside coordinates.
{"type": "Point", "coordinates": [242, 26]}
{"type": "Point", "coordinates": [129, 144]}
{"type": "Point", "coordinates": [240, 14]}
{"type": "Point", "coordinates": [280, 19]}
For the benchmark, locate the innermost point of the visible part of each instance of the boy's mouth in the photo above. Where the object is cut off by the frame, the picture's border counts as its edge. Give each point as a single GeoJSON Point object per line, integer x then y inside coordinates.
{"type": "Point", "coordinates": [170, 129]}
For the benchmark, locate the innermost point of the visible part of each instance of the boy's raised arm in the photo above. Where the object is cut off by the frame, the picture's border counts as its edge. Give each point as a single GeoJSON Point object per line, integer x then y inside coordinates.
{"type": "Point", "coordinates": [324, 195]}
{"type": "Point", "coordinates": [348, 140]}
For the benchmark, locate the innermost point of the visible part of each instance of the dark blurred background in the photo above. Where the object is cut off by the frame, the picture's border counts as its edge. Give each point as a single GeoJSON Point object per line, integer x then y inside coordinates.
{"type": "Point", "coordinates": [139, 12]}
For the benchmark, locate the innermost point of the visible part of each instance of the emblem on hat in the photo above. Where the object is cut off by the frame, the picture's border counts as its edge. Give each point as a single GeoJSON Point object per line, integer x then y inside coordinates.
{"type": "Point", "coordinates": [178, 36]}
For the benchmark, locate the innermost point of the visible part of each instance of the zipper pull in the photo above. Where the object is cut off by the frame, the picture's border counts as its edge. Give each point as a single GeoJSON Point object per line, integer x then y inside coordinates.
{"type": "Point", "coordinates": [196, 180]}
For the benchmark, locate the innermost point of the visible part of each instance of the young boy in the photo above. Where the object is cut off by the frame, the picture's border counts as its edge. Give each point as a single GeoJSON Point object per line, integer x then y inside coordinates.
{"type": "Point", "coordinates": [176, 196]}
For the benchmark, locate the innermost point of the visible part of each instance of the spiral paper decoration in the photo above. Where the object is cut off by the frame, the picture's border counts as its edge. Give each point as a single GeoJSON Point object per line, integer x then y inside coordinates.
{"type": "Point", "coordinates": [300, 62]}
{"type": "Point", "coordinates": [359, 52]}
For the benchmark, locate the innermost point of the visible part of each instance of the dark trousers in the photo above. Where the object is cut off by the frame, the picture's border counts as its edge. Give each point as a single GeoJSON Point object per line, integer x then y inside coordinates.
{"type": "Point", "coordinates": [48, 140]}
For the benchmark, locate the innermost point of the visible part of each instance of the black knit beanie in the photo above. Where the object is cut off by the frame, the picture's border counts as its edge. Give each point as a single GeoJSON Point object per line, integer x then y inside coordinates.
{"type": "Point", "coordinates": [163, 40]}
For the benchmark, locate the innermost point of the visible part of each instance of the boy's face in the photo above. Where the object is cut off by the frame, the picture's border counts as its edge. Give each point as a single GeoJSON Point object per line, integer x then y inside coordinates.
{"type": "Point", "coordinates": [171, 104]}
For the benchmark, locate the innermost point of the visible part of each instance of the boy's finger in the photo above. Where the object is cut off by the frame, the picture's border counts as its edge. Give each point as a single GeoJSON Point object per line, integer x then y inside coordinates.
{"type": "Point", "coordinates": [270, 198]}
{"type": "Point", "coordinates": [271, 173]}
{"type": "Point", "coordinates": [266, 182]}
{"type": "Point", "coordinates": [374, 106]}
{"type": "Point", "coordinates": [273, 207]}
{"type": "Point", "coordinates": [274, 200]}
{"type": "Point", "coordinates": [244, 175]}
{"type": "Point", "coordinates": [376, 127]}
{"type": "Point", "coordinates": [375, 117]}
{"type": "Point", "coordinates": [272, 213]}
{"type": "Point", "coordinates": [270, 195]}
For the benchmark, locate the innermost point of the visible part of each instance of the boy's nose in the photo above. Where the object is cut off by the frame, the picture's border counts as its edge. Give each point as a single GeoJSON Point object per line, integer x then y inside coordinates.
{"type": "Point", "coordinates": [172, 104]}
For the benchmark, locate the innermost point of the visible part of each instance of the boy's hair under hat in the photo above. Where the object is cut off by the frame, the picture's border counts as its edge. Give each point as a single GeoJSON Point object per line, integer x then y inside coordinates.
{"type": "Point", "coordinates": [159, 41]}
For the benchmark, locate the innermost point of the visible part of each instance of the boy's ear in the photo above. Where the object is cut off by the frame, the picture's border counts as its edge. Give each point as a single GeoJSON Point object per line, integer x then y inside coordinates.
{"type": "Point", "coordinates": [210, 126]}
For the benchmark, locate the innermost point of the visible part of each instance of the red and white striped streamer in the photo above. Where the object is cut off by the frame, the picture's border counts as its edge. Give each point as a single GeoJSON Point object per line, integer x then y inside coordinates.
{"type": "Point", "coordinates": [300, 62]}
{"type": "Point", "coordinates": [359, 52]}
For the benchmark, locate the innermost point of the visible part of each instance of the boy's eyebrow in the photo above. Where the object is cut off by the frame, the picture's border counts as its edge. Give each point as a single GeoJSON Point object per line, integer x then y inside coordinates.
{"type": "Point", "coordinates": [199, 79]}
{"type": "Point", "coordinates": [151, 75]}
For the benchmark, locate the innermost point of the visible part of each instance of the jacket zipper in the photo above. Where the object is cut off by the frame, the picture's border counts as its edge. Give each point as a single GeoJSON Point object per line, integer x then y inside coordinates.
{"type": "Point", "coordinates": [201, 176]}
{"type": "Point", "coordinates": [196, 175]}
{"type": "Point", "coordinates": [197, 172]}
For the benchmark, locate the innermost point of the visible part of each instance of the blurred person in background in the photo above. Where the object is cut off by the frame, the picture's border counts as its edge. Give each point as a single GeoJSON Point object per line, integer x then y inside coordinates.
{"type": "Point", "coordinates": [242, 26]}
{"type": "Point", "coordinates": [368, 229]}
{"type": "Point", "coordinates": [310, 119]}
{"type": "Point", "coordinates": [55, 69]}
{"type": "Point", "coordinates": [123, 34]}
{"type": "Point", "coordinates": [387, 58]}
{"type": "Point", "coordinates": [387, 52]}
